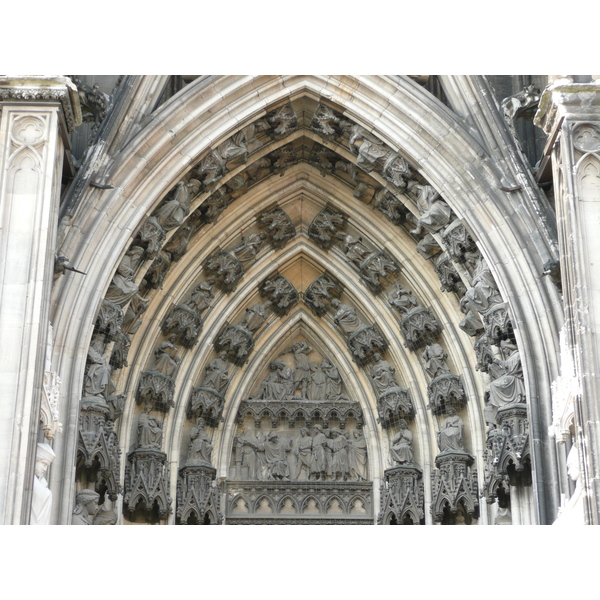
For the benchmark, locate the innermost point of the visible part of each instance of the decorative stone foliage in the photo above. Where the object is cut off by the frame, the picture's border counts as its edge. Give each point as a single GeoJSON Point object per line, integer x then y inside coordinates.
{"type": "Point", "coordinates": [402, 497]}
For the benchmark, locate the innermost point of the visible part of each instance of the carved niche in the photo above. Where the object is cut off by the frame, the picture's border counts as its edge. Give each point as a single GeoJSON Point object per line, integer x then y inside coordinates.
{"type": "Point", "coordinates": [277, 225]}
{"type": "Point", "coordinates": [325, 226]}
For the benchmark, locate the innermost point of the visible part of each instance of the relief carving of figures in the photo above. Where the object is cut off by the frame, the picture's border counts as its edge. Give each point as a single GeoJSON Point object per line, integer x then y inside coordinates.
{"type": "Point", "coordinates": [278, 384]}
{"type": "Point", "coordinates": [434, 213]}
{"type": "Point", "coordinates": [247, 456]}
{"type": "Point", "coordinates": [357, 455]}
{"type": "Point", "coordinates": [435, 357]}
{"type": "Point", "coordinates": [41, 498]}
{"type": "Point", "coordinates": [275, 456]}
{"type": "Point", "coordinates": [401, 452]}
{"type": "Point", "coordinates": [318, 465]}
{"type": "Point", "coordinates": [471, 324]}
{"type": "Point", "coordinates": [255, 316]}
{"type": "Point", "coordinates": [484, 294]}
{"type": "Point", "coordinates": [318, 383]}
{"type": "Point", "coordinates": [509, 388]}
{"type": "Point", "coordinates": [86, 507]}
{"type": "Point", "coordinates": [393, 209]}
{"type": "Point", "coordinates": [149, 430]}
{"type": "Point", "coordinates": [249, 247]}
{"type": "Point", "coordinates": [302, 373]}
{"type": "Point", "coordinates": [200, 449]}
{"type": "Point", "coordinates": [176, 208]}
{"type": "Point", "coordinates": [323, 289]}
{"type": "Point", "coordinates": [337, 443]}
{"type": "Point", "coordinates": [333, 383]}
{"type": "Point", "coordinates": [325, 227]}
{"type": "Point", "coordinates": [451, 436]}
{"type": "Point", "coordinates": [280, 292]}
{"type": "Point", "coordinates": [278, 226]}
{"type": "Point", "coordinates": [302, 450]}
{"type": "Point", "coordinates": [122, 287]}
{"type": "Point", "coordinates": [216, 374]}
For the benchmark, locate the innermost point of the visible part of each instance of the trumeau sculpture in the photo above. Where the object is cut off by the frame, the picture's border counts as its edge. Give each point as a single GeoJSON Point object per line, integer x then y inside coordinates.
{"type": "Point", "coordinates": [86, 507]}
{"type": "Point", "coordinates": [41, 500]}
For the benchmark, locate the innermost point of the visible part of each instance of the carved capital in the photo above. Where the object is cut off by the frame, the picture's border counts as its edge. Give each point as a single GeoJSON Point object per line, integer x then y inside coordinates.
{"type": "Point", "coordinates": [41, 89]}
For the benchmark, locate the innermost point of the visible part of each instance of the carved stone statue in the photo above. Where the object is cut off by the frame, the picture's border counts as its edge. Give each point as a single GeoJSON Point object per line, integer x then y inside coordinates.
{"type": "Point", "coordinates": [402, 299]}
{"type": "Point", "coordinates": [278, 384]}
{"type": "Point", "coordinates": [435, 214]}
{"type": "Point", "coordinates": [255, 316]}
{"type": "Point", "coordinates": [216, 374]}
{"type": "Point", "coordinates": [200, 449]}
{"type": "Point", "coordinates": [510, 387]}
{"type": "Point", "coordinates": [302, 450]}
{"type": "Point", "coordinates": [452, 435]}
{"type": "Point", "coordinates": [302, 373]}
{"type": "Point", "coordinates": [133, 314]}
{"type": "Point", "coordinates": [276, 461]}
{"type": "Point", "coordinates": [338, 466]}
{"type": "Point", "coordinates": [174, 211]}
{"type": "Point", "coordinates": [345, 317]}
{"type": "Point", "coordinates": [390, 206]}
{"type": "Point", "coordinates": [435, 358]}
{"type": "Point", "coordinates": [357, 455]}
{"type": "Point", "coordinates": [201, 296]}
{"type": "Point", "coordinates": [149, 430]}
{"type": "Point", "coordinates": [382, 375]}
{"type": "Point", "coordinates": [318, 465]}
{"type": "Point", "coordinates": [41, 500]}
{"type": "Point", "coordinates": [323, 289]}
{"type": "Point", "coordinates": [166, 361]}
{"type": "Point", "coordinates": [122, 287]}
{"type": "Point", "coordinates": [325, 226]}
{"type": "Point", "coordinates": [226, 270]}
{"type": "Point", "coordinates": [318, 383]}
{"type": "Point", "coordinates": [333, 383]}
{"type": "Point", "coordinates": [354, 249]}
{"type": "Point", "coordinates": [401, 452]}
{"type": "Point", "coordinates": [98, 374]}
{"type": "Point", "coordinates": [86, 507]}
{"type": "Point", "coordinates": [249, 247]}
{"type": "Point", "coordinates": [484, 293]}
{"type": "Point", "coordinates": [372, 265]}
{"type": "Point", "coordinates": [248, 456]}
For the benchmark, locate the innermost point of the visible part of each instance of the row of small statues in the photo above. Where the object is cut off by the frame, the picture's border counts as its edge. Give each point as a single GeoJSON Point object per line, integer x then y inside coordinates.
{"type": "Point", "coordinates": [328, 454]}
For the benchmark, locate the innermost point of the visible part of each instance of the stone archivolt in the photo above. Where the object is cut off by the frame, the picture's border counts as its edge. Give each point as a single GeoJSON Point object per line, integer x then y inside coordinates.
{"type": "Point", "coordinates": [378, 175]}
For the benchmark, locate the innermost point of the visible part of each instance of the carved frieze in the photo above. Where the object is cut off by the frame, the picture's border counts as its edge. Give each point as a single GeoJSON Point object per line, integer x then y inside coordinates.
{"type": "Point", "coordinates": [373, 266]}
{"type": "Point", "coordinates": [147, 486]}
{"type": "Point", "coordinates": [325, 226]}
{"type": "Point", "coordinates": [277, 225]}
{"type": "Point", "coordinates": [291, 502]}
{"type": "Point", "coordinates": [454, 485]}
{"type": "Point", "coordinates": [321, 292]}
{"type": "Point", "coordinates": [280, 292]}
{"type": "Point", "coordinates": [402, 497]}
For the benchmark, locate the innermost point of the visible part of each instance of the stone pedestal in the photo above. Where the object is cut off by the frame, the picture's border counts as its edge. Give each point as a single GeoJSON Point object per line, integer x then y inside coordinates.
{"type": "Point", "coordinates": [570, 114]}
{"type": "Point", "coordinates": [37, 113]}
{"type": "Point", "coordinates": [196, 496]}
{"type": "Point", "coordinates": [402, 496]}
